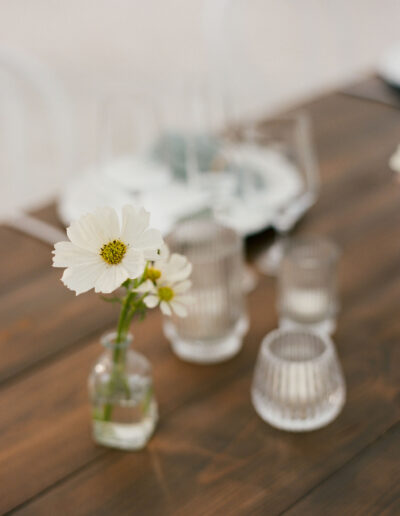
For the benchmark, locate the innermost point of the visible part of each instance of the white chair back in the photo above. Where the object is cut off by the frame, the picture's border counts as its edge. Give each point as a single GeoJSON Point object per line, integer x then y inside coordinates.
{"type": "Point", "coordinates": [37, 147]}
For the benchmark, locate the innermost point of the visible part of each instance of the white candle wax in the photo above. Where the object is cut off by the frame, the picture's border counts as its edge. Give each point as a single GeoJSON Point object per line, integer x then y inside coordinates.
{"type": "Point", "coordinates": [306, 304]}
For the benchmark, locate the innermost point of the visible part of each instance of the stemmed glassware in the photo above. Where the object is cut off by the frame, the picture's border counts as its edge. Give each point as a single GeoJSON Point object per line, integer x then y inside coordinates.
{"type": "Point", "coordinates": [290, 136]}
{"type": "Point", "coordinates": [202, 153]}
{"type": "Point", "coordinates": [128, 145]}
{"type": "Point", "coordinates": [193, 135]}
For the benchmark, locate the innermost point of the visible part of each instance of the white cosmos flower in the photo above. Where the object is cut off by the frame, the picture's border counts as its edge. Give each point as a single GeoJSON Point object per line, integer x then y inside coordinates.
{"type": "Point", "coordinates": [168, 284]}
{"type": "Point", "coordinates": [103, 252]}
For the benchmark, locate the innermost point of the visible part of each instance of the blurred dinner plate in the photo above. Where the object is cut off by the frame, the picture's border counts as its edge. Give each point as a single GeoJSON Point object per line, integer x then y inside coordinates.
{"type": "Point", "coordinates": [271, 183]}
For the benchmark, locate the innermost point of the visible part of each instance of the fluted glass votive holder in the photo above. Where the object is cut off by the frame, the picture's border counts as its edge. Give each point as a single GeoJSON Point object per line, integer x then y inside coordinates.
{"type": "Point", "coordinates": [214, 328]}
{"type": "Point", "coordinates": [298, 384]}
{"type": "Point", "coordinates": [307, 284]}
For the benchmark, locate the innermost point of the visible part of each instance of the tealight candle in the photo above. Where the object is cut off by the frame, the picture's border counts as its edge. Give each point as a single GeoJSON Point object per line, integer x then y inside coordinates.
{"type": "Point", "coordinates": [298, 384]}
{"type": "Point", "coordinates": [307, 285]}
{"type": "Point", "coordinates": [307, 305]}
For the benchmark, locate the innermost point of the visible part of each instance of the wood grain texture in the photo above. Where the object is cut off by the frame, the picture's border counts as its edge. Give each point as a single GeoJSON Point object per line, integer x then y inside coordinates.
{"type": "Point", "coordinates": [25, 257]}
{"type": "Point", "coordinates": [16, 268]}
{"type": "Point", "coordinates": [41, 318]}
{"type": "Point", "coordinates": [368, 485]}
{"type": "Point", "coordinates": [211, 453]}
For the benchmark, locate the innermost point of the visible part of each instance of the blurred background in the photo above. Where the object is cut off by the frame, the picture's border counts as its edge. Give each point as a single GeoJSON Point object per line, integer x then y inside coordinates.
{"type": "Point", "coordinates": [59, 60]}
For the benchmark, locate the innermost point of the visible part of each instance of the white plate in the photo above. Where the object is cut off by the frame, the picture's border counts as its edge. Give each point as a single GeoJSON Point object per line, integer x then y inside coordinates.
{"type": "Point", "coordinates": [249, 212]}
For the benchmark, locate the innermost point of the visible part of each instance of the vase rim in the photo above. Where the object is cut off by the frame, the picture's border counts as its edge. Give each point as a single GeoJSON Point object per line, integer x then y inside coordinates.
{"type": "Point", "coordinates": [108, 340]}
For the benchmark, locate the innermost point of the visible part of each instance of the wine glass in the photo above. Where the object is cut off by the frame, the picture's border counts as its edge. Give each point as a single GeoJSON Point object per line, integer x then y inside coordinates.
{"type": "Point", "coordinates": [129, 156]}
{"type": "Point", "coordinates": [290, 138]}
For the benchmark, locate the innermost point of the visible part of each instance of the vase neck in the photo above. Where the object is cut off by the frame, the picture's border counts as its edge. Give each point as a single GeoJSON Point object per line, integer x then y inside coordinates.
{"type": "Point", "coordinates": [110, 341]}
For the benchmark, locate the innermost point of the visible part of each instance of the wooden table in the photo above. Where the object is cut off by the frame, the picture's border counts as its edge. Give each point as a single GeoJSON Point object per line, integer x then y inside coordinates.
{"type": "Point", "coordinates": [211, 454]}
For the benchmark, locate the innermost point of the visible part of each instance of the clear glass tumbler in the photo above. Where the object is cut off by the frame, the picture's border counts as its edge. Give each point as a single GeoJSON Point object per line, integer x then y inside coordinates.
{"type": "Point", "coordinates": [298, 383]}
{"type": "Point", "coordinates": [308, 285]}
{"type": "Point", "coordinates": [217, 321]}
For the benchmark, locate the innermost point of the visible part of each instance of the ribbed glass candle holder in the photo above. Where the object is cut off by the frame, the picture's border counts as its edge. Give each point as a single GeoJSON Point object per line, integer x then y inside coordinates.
{"type": "Point", "coordinates": [308, 285]}
{"type": "Point", "coordinates": [298, 383]}
{"type": "Point", "coordinates": [214, 328]}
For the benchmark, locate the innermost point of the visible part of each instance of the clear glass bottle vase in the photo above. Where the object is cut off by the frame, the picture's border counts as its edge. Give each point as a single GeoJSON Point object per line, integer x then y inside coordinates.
{"type": "Point", "coordinates": [124, 409]}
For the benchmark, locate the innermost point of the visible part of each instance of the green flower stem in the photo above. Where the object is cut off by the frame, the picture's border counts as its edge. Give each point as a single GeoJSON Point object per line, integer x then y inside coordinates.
{"type": "Point", "coordinates": [123, 326]}
{"type": "Point", "coordinates": [107, 412]}
{"type": "Point", "coordinates": [119, 353]}
{"type": "Point", "coordinates": [129, 307]}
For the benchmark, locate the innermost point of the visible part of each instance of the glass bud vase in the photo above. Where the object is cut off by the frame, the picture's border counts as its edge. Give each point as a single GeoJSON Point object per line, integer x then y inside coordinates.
{"type": "Point", "coordinates": [124, 409]}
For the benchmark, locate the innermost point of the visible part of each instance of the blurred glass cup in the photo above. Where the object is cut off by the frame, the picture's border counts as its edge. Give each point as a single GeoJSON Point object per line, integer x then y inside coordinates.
{"type": "Point", "coordinates": [128, 145]}
{"type": "Point", "coordinates": [193, 135]}
{"type": "Point", "coordinates": [298, 384]}
{"type": "Point", "coordinates": [202, 153]}
{"type": "Point", "coordinates": [307, 284]}
{"type": "Point", "coordinates": [289, 137]}
{"type": "Point", "coordinates": [217, 321]}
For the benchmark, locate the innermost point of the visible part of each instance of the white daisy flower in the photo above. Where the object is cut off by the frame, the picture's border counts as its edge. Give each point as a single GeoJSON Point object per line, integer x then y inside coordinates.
{"type": "Point", "coordinates": [103, 252]}
{"type": "Point", "coordinates": [168, 283]}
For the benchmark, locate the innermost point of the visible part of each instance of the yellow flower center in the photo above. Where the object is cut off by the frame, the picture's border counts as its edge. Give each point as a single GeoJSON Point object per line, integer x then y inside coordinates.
{"type": "Point", "coordinates": [153, 274]}
{"type": "Point", "coordinates": [165, 293]}
{"type": "Point", "coordinates": [113, 252]}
